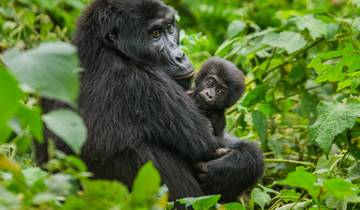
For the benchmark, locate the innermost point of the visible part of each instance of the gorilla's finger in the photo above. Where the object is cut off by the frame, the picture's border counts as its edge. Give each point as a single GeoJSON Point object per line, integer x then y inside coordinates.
{"type": "Point", "coordinates": [222, 151]}
{"type": "Point", "coordinates": [201, 167]}
{"type": "Point", "coordinates": [190, 93]}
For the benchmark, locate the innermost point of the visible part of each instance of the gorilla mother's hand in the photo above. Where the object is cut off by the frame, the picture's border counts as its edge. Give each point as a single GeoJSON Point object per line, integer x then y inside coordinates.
{"type": "Point", "coordinates": [232, 173]}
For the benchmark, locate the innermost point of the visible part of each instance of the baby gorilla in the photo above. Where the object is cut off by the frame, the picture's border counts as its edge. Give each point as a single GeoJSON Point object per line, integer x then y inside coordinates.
{"type": "Point", "coordinates": [218, 85]}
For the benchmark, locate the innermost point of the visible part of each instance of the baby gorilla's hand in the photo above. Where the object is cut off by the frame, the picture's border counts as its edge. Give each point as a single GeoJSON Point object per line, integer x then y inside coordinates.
{"type": "Point", "coordinates": [233, 172]}
{"type": "Point", "coordinates": [202, 167]}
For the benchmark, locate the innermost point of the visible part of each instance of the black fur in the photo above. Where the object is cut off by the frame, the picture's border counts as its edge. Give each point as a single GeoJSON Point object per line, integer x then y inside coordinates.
{"type": "Point", "coordinates": [135, 112]}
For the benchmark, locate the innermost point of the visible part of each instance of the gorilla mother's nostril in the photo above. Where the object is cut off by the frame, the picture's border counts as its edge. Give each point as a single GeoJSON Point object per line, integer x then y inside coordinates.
{"type": "Point", "coordinates": [180, 57]}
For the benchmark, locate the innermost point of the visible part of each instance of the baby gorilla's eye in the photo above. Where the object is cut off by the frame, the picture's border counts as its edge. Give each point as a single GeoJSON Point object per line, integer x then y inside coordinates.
{"type": "Point", "coordinates": [210, 83]}
{"type": "Point", "coordinates": [220, 91]}
{"type": "Point", "coordinates": [156, 34]}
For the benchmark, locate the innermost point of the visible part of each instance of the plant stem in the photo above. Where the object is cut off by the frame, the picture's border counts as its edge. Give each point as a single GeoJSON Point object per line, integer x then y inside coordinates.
{"type": "Point", "coordinates": [289, 161]}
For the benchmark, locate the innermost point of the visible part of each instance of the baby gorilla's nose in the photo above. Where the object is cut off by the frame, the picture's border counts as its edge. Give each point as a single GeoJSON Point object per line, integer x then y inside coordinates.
{"type": "Point", "coordinates": [209, 95]}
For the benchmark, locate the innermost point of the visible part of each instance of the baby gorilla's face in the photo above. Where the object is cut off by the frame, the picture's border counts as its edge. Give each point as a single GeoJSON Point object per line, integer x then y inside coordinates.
{"type": "Point", "coordinates": [213, 92]}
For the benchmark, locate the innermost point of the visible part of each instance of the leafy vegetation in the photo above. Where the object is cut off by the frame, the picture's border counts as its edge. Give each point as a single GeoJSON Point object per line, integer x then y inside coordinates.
{"type": "Point", "coordinates": [302, 103]}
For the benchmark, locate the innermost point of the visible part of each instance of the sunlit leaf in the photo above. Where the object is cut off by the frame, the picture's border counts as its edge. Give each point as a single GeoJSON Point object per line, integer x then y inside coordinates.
{"type": "Point", "coordinates": [303, 179]}
{"type": "Point", "coordinates": [260, 197]}
{"type": "Point", "coordinates": [342, 189]}
{"type": "Point", "coordinates": [9, 101]}
{"type": "Point", "coordinates": [287, 40]}
{"type": "Point", "coordinates": [316, 27]}
{"type": "Point", "coordinates": [260, 125]}
{"type": "Point", "coordinates": [67, 125]}
{"type": "Point", "coordinates": [333, 119]}
{"type": "Point", "coordinates": [255, 96]}
{"type": "Point", "coordinates": [199, 203]}
{"type": "Point", "coordinates": [146, 185]}
{"type": "Point", "coordinates": [51, 69]}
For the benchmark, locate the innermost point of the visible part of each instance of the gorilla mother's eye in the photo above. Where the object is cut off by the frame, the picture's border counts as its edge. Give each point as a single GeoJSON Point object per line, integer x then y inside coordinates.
{"type": "Point", "coordinates": [210, 83]}
{"type": "Point", "coordinates": [156, 34]}
{"type": "Point", "coordinates": [170, 28]}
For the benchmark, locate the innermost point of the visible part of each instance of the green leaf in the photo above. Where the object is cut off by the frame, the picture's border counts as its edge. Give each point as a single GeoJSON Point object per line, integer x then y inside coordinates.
{"type": "Point", "coordinates": [8, 200]}
{"type": "Point", "coordinates": [146, 185]}
{"type": "Point", "coordinates": [255, 96]}
{"type": "Point", "coordinates": [260, 125]}
{"type": "Point", "coordinates": [287, 40]}
{"type": "Point", "coordinates": [9, 101]}
{"type": "Point", "coordinates": [289, 195]}
{"type": "Point", "coordinates": [34, 175]}
{"type": "Point", "coordinates": [235, 28]}
{"type": "Point", "coordinates": [99, 194]}
{"type": "Point", "coordinates": [332, 120]}
{"type": "Point", "coordinates": [67, 125]}
{"type": "Point", "coordinates": [317, 28]}
{"type": "Point", "coordinates": [201, 203]}
{"type": "Point", "coordinates": [302, 179]}
{"type": "Point", "coordinates": [225, 47]}
{"type": "Point", "coordinates": [51, 69]}
{"type": "Point", "coordinates": [31, 117]}
{"type": "Point", "coordinates": [341, 189]}
{"type": "Point", "coordinates": [337, 65]}
{"type": "Point", "coordinates": [233, 206]}
{"type": "Point", "coordinates": [260, 198]}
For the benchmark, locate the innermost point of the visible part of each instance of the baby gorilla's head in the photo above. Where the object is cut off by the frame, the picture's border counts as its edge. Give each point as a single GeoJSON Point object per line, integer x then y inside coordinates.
{"type": "Point", "coordinates": [218, 85]}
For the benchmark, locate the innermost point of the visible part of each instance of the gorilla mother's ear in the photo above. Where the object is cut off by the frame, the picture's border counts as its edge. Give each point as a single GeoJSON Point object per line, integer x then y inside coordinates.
{"type": "Point", "coordinates": [110, 39]}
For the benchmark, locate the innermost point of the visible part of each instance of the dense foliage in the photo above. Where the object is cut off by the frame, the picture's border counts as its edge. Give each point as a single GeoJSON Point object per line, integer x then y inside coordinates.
{"type": "Point", "coordinates": [302, 103]}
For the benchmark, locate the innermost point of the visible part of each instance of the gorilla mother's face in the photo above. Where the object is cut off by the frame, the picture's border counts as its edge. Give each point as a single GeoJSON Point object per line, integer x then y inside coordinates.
{"type": "Point", "coordinates": [146, 31]}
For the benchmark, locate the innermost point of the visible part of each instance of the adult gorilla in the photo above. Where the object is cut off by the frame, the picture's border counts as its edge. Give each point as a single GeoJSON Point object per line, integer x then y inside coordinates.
{"type": "Point", "coordinates": [135, 112]}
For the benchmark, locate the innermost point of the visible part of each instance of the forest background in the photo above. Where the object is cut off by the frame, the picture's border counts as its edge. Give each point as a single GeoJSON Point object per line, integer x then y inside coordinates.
{"type": "Point", "coordinates": [302, 104]}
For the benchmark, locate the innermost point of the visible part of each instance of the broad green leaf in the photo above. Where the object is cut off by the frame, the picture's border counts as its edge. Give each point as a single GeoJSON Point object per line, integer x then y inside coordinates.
{"type": "Point", "coordinates": [341, 189]}
{"type": "Point", "coordinates": [101, 194]}
{"type": "Point", "coordinates": [43, 198]}
{"type": "Point", "coordinates": [201, 203]}
{"type": "Point", "coordinates": [8, 200]}
{"type": "Point", "coordinates": [51, 69]}
{"type": "Point", "coordinates": [317, 28]}
{"type": "Point", "coordinates": [67, 125]}
{"type": "Point", "coordinates": [289, 195]}
{"type": "Point", "coordinates": [260, 125]}
{"type": "Point", "coordinates": [61, 184]}
{"type": "Point", "coordinates": [287, 40]}
{"type": "Point", "coordinates": [31, 117]}
{"type": "Point", "coordinates": [233, 206]}
{"type": "Point", "coordinates": [268, 64]}
{"type": "Point", "coordinates": [303, 179]}
{"type": "Point", "coordinates": [33, 175]}
{"type": "Point", "coordinates": [10, 96]}
{"type": "Point", "coordinates": [146, 185]}
{"type": "Point", "coordinates": [255, 96]}
{"type": "Point", "coordinates": [260, 197]}
{"type": "Point", "coordinates": [333, 119]}
{"type": "Point", "coordinates": [235, 28]}
{"type": "Point", "coordinates": [337, 65]}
